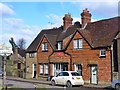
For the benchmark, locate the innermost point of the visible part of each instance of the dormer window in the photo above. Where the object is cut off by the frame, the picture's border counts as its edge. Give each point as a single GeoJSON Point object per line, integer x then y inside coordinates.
{"type": "Point", "coordinates": [102, 52]}
{"type": "Point", "coordinates": [78, 44]}
{"type": "Point", "coordinates": [59, 45]}
{"type": "Point", "coordinates": [45, 46]}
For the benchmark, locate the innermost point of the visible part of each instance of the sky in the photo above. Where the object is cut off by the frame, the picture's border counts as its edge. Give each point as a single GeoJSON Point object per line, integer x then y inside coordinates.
{"type": "Point", "coordinates": [20, 19]}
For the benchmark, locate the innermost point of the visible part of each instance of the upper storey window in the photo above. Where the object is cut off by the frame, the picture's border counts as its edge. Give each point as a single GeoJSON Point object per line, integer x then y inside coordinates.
{"type": "Point", "coordinates": [59, 45]}
{"type": "Point", "coordinates": [102, 52]}
{"type": "Point", "coordinates": [78, 43]}
{"type": "Point", "coordinates": [45, 46]}
{"type": "Point", "coordinates": [31, 55]}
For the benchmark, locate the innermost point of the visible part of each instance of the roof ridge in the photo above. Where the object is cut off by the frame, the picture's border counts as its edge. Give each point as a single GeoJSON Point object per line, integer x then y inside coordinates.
{"type": "Point", "coordinates": [104, 19]}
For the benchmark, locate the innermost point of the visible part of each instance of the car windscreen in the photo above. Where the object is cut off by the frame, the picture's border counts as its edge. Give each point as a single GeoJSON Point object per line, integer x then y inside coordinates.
{"type": "Point", "coordinates": [75, 74]}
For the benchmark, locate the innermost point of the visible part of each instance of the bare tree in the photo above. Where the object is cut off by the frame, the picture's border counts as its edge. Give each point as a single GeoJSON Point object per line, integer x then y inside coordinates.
{"type": "Point", "coordinates": [21, 43]}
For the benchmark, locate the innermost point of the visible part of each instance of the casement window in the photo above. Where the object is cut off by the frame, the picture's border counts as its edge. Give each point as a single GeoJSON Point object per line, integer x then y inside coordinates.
{"type": "Point", "coordinates": [78, 68]}
{"type": "Point", "coordinates": [45, 46]}
{"type": "Point", "coordinates": [59, 45]}
{"type": "Point", "coordinates": [78, 43]}
{"type": "Point", "coordinates": [46, 69]}
{"type": "Point", "coordinates": [41, 68]}
{"type": "Point", "coordinates": [102, 52]}
{"type": "Point", "coordinates": [31, 55]}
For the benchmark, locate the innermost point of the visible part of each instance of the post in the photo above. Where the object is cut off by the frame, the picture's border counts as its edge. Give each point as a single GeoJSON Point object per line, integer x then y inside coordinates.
{"type": "Point", "coordinates": [4, 72]}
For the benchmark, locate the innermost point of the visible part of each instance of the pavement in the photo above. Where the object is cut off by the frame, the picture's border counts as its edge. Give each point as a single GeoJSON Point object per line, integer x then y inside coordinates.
{"type": "Point", "coordinates": [105, 86]}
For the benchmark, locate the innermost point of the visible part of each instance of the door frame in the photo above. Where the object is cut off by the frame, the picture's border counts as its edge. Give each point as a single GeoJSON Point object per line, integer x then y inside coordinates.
{"type": "Point", "coordinates": [93, 65]}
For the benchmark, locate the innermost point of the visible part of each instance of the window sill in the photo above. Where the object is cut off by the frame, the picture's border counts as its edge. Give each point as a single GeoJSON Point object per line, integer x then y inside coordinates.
{"type": "Point", "coordinates": [46, 74]}
{"type": "Point", "coordinates": [31, 57]}
{"type": "Point", "coordinates": [102, 56]}
{"type": "Point", "coordinates": [41, 73]}
{"type": "Point", "coordinates": [77, 48]}
{"type": "Point", "coordinates": [45, 51]}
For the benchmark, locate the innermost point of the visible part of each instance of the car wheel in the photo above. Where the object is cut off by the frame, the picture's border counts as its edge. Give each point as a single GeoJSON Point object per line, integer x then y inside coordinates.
{"type": "Point", "coordinates": [53, 83]}
{"type": "Point", "coordinates": [69, 84]}
{"type": "Point", "coordinates": [117, 86]}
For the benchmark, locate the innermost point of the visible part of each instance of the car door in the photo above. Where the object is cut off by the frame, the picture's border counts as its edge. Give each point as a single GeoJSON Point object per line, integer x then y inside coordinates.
{"type": "Point", "coordinates": [65, 78]}
{"type": "Point", "coordinates": [59, 78]}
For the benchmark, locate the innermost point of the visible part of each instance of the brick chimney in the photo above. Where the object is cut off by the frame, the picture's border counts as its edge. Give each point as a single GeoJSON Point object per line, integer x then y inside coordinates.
{"type": "Point", "coordinates": [85, 17]}
{"type": "Point", "coordinates": [67, 21]}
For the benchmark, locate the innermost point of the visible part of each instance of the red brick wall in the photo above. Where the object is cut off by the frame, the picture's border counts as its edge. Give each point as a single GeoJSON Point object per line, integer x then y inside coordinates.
{"type": "Point", "coordinates": [85, 56]}
{"type": "Point", "coordinates": [42, 57]}
{"type": "Point", "coordinates": [88, 56]}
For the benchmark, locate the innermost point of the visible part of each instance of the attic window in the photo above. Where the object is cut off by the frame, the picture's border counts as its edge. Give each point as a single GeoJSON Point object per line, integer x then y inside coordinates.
{"type": "Point", "coordinates": [102, 52]}
{"type": "Point", "coordinates": [59, 45]}
{"type": "Point", "coordinates": [45, 46]}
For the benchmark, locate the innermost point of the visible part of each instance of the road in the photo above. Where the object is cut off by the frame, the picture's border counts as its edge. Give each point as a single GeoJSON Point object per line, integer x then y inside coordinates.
{"type": "Point", "coordinates": [29, 86]}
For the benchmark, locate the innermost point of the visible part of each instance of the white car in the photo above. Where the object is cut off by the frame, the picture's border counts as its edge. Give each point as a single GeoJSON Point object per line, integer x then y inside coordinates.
{"type": "Point", "coordinates": [68, 78]}
{"type": "Point", "coordinates": [116, 84]}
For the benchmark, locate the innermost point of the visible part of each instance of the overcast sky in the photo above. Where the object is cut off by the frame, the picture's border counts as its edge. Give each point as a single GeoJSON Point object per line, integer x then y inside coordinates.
{"type": "Point", "coordinates": [27, 19]}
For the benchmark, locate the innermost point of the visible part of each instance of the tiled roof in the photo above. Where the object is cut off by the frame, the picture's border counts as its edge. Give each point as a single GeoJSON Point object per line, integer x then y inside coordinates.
{"type": "Point", "coordinates": [97, 34]}
{"type": "Point", "coordinates": [33, 46]}
{"type": "Point", "coordinates": [67, 32]}
{"type": "Point", "coordinates": [52, 40]}
{"type": "Point", "coordinates": [103, 32]}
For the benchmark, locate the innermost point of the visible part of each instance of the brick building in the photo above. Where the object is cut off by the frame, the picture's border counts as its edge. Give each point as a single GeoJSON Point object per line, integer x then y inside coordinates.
{"type": "Point", "coordinates": [91, 48]}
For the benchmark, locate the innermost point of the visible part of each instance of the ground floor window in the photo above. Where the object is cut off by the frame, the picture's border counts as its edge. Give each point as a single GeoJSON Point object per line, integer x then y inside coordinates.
{"type": "Point", "coordinates": [44, 69]}
{"type": "Point", "coordinates": [58, 67]}
{"type": "Point", "coordinates": [78, 68]}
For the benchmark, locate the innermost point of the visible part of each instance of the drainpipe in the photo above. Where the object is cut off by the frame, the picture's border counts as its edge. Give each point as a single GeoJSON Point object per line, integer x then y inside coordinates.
{"type": "Point", "coordinates": [70, 59]}
{"type": "Point", "coordinates": [112, 62]}
{"type": "Point", "coordinates": [49, 64]}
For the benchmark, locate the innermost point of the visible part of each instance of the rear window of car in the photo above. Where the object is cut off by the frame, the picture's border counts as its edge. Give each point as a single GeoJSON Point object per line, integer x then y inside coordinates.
{"type": "Point", "coordinates": [75, 74]}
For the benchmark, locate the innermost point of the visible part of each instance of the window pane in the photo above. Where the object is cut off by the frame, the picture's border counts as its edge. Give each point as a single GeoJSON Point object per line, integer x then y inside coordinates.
{"type": "Point", "coordinates": [79, 69]}
{"type": "Point", "coordinates": [102, 52]}
{"type": "Point", "coordinates": [80, 43]}
{"type": "Point", "coordinates": [46, 69]}
{"type": "Point", "coordinates": [31, 55]}
{"type": "Point", "coordinates": [46, 46]}
{"type": "Point", "coordinates": [65, 74]}
{"type": "Point", "coordinates": [41, 69]}
{"type": "Point", "coordinates": [59, 45]}
{"type": "Point", "coordinates": [42, 47]}
{"type": "Point", "coordinates": [75, 44]}
{"type": "Point", "coordinates": [75, 74]}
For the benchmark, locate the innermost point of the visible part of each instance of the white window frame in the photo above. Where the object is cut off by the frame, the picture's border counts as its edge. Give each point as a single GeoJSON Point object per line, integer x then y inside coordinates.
{"type": "Point", "coordinates": [46, 69]}
{"type": "Point", "coordinates": [102, 52]}
{"type": "Point", "coordinates": [45, 46]}
{"type": "Point", "coordinates": [78, 43]}
{"type": "Point", "coordinates": [41, 68]}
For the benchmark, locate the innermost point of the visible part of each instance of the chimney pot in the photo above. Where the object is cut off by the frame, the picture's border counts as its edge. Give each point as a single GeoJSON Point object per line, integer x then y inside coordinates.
{"type": "Point", "coordinates": [67, 21]}
{"type": "Point", "coordinates": [85, 17]}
